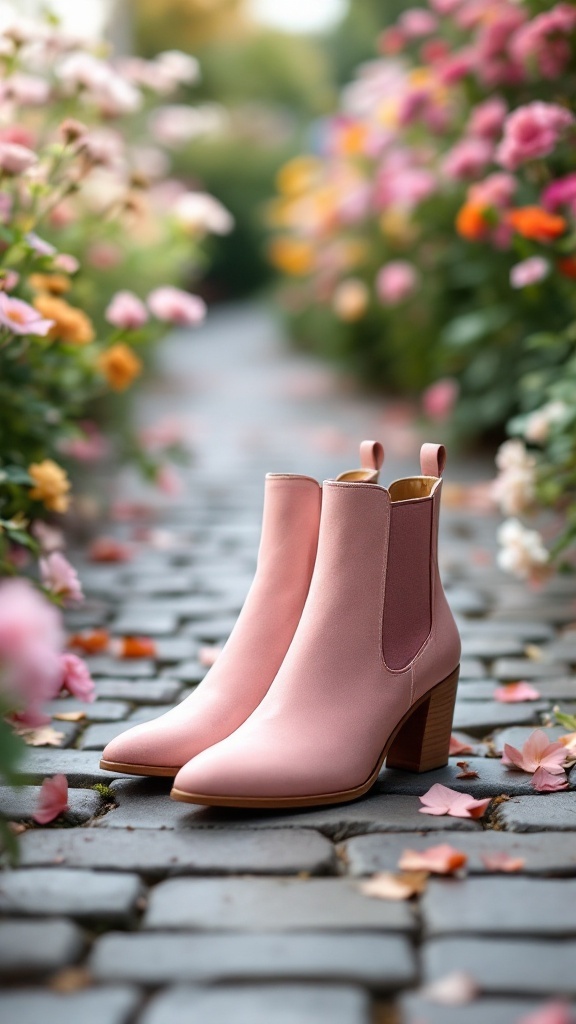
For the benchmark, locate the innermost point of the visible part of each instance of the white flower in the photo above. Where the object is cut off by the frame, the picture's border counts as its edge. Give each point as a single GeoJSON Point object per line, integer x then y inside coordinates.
{"type": "Point", "coordinates": [522, 551]}
{"type": "Point", "coordinates": [103, 85]}
{"type": "Point", "coordinates": [538, 424]}
{"type": "Point", "coordinates": [180, 67]}
{"type": "Point", "coordinates": [201, 212]}
{"type": "Point", "coordinates": [515, 486]}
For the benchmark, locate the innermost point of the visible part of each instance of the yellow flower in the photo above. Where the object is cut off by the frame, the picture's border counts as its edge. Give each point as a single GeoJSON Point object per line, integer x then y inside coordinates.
{"type": "Point", "coordinates": [120, 365]}
{"type": "Point", "coordinates": [71, 325]}
{"type": "Point", "coordinates": [292, 256]}
{"type": "Point", "coordinates": [298, 175]}
{"type": "Point", "coordinates": [52, 485]}
{"type": "Point", "coordinates": [54, 284]}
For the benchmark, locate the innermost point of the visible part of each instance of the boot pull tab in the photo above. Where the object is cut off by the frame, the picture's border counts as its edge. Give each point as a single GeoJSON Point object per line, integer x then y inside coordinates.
{"type": "Point", "coordinates": [371, 455]}
{"type": "Point", "coordinates": [432, 459]}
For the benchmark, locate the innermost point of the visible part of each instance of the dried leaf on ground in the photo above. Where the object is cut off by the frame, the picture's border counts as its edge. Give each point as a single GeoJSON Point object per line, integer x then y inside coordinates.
{"type": "Point", "coordinates": [466, 771]}
{"type": "Point", "coordinates": [92, 641]}
{"type": "Point", "coordinates": [387, 885]}
{"type": "Point", "coordinates": [70, 716]}
{"type": "Point", "coordinates": [43, 736]}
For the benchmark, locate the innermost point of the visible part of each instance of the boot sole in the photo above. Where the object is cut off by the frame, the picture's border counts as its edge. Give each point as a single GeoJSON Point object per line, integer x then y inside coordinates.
{"type": "Point", "coordinates": [420, 751]}
{"type": "Point", "coordinates": [139, 769]}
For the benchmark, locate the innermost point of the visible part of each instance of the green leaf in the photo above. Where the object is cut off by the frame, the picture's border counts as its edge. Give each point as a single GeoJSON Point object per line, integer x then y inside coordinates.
{"type": "Point", "coordinates": [568, 721]}
{"type": "Point", "coordinates": [15, 475]}
{"type": "Point", "coordinates": [471, 327]}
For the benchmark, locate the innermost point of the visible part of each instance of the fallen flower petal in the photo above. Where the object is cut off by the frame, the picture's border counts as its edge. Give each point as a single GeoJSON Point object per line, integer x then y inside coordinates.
{"type": "Point", "coordinates": [513, 693]}
{"type": "Point", "coordinates": [557, 1012]}
{"type": "Point", "coordinates": [537, 752]}
{"type": "Point", "coordinates": [455, 989]}
{"type": "Point", "coordinates": [441, 800]}
{"type": "Point", "coordinates": [389, 886]}
{"type": "Point", "coordinates": [544, 781]}
{"type": "Point", "coordinates": [108, 549]}
{"type": "Point", "coordinates": [52, 799]}
{"type": "Point", "coordinates": [502, 861]}
{"type": "Point", "coordinates": [457, 747]}
{"type": "Point", "coordinates": [76, 678]}
{"type": "Point", "coordinates": [90, 642]}
{"type": "Point", "coordinates": [439, 860]}
{"type": "Point", "coordinates": [133, 647]}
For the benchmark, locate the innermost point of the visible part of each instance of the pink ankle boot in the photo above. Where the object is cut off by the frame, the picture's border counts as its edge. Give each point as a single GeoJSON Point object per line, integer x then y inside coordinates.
{"type": "Point", "coordinates": [256, 648]}
{"type": "Point", "coordinates": [373, 667]}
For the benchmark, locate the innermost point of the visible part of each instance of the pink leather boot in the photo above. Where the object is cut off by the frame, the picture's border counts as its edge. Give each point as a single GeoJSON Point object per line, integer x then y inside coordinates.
{"type": "Point", "coordinates": [373, 667]}
{"type": "Point", "coordinates": [255, 650]}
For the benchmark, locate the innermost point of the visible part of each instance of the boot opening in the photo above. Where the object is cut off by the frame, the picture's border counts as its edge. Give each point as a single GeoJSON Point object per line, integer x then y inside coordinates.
{"type": "Point", "coordinates": [413, 487]}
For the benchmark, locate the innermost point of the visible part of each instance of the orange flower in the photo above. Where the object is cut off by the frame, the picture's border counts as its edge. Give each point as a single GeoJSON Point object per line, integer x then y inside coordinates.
{"type": "Point", "coordinates": [52, 485]}
{"type": "Point", "coordinates": [535, 223]}
{"type": "Point", "coordinates": [567, 267]}
{"type": "Point", "coordinates": [298, 175]}
{"type": "Point", "coordinates": [292, 256]}
{"type": "Point", "coordinates": [55, 284]}
{"type": "Point", "coordinates": [471, 221]}
{"type": "Point", "coordinates": [71, 326]}
{"type": "Point", "coordinates": [120, 365]}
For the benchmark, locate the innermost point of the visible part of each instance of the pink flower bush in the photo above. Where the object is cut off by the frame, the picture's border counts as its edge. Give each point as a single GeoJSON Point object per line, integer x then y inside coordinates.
{"type": "Point", "coordinates": [126, 311]}
{"type": "Point", "coordinates": [529, 271]}
{"type": "Point", "coordinates": [52, 800]}
{"type": "Point", "coordinates": [395, 282]}
{"type": "Point", "coordinates": [468, 158]}
{"type": "Point", "coordinates": [559, 193]}
{"type": "Point", "coordinates": [30, 643]}
{"type": "Point", "coordinates": [531, 132]}
{"type": "Point", "coordinates": [176, 306]}
{"type": "Point", "coordinates": [487, 118]}
{"type": "Point", "coordinates": [59, 577]}
{"type": "Point", "coordinates": [21, 318]}
{"type": "Point", "coordinates": [76, 678]}
{"type": "Point", "coordinates": [544, 760]}
{"type": "Point", "coordinates": [539, 43]}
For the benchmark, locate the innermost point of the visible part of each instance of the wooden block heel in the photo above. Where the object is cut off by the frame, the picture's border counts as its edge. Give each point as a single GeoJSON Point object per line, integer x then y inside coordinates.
{"type": "Point", "coordinates": [423, 741]}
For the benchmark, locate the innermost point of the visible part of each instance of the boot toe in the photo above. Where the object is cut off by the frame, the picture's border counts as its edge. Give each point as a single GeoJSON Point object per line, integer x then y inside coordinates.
{"type": "Point", "coordinates": [139, 747]}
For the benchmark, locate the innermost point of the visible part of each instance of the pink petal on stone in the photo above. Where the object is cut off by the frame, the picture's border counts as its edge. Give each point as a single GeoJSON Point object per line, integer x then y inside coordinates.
{"type": "Point", "coordinates": [441, 800]}
{"type": "Point", "coordinates": [52, 800]}
{"type": "Point", "coordinates": [544, 781]}
{"type": "Point", "coordinates": [513, 693]}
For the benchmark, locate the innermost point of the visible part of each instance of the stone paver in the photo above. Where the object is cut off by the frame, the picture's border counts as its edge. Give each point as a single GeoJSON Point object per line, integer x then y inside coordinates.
{"type": "Point", "coordinates": [258, 905]}
{"type": "Point", "coordinates": [500, 906]}
{"type": "Point", "coordinates": [266, 1004]}
{"type": "Point", "coordinates": [505, 966]}
{"type": "Point", "coordinates": [380, 962]}
{"type": "Point", "coordinates": [482, 717]}
{"type": "Point", "coordinates": [19, 804]}
{"type": "Point", "coordinates": [100, 711]}
{"type": "Point", "coordinates": [85, 895]}
{"type": "Point", "coordinates": [538, 813]}
{"type": "Point", "coordinates": [156, 853]}
{"type": "Point", "coordinates": [493, 778]}
{"type": "Point", "coordinates": [548, 853]}
{"type": "Point", "coordinates": [516, 736]}
{"type": "Point", "coordinates": [106, 1005]}
{"type": "Point", "coordinates": [158, 692]}
{"type": "Point", "coordinates": [80, 766]}
{"type": "Point", "coordinates": [419, 1010]}
{"type": "Point", "coordinates": [37, 947]}
{"type": "Point", "coordinates": [146, 805]}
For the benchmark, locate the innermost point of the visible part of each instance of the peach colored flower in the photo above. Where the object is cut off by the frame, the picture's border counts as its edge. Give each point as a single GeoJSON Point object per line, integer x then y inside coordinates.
{"type": "Point", "coordinates": [120, 365]}
{"type": "Point", "coordinates": [52, 799]}
{"type": "Point", "coordinates": [70, 325]}
{"type": "Point", "coordinates": [21, 318]}
{"type": "Point", "coordinates": [441, 800]}
{"type": "Point", "coordinates": [51, 485]}
{"type": "Point", "coordinates": [545, 761]}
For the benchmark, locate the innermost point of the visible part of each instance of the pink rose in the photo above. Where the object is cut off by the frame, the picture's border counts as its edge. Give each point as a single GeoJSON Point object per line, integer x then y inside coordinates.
{"type": "Point", "coordinates": [496, 190]}
{"type": "Point", "coordinates": [417, 22]}
{"type": "Point", "coordinates": [15, 159]}
{"type": "Point", "coordinates": [487, 118]}
{"type": "Point", "coordinates": [395, 281]}
{"type": "Point", "coordinates": [30, 643]}
{"type": "Point", "coordinates": [176, 306]}
{"type": "Point", "coordinates": [539, 43]}
{"type": "Point", "coordinates": [529, 271]}
{"type": "Point", "coordinates": [468, 158]}
{"type": "Point", "coordinates": [440, 398]}
{"type": "Point", "coordinates": [532, 131]}
{"type": "Point", "coordinates": [61, 578]}
{"type": "Point", "coordinates": [126, 311]}
{"type": "Point", "coordinates": [561, 192]}
{"type": "Point", "coordinates": [21, 318]}
{"type": "Point", "coordinates": [76, 679]}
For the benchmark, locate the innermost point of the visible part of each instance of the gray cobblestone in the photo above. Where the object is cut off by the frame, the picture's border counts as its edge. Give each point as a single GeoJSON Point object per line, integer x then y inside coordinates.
{"type": "Point", "coordinates": [264, 1004]}
{"type": "Point", "coordinates": [417, 1010]}
{"type": "Point", "coordinates": [127, 668]}
{"type": "Point", "coordinates": [99, 711]}
{"type": "Point", "coordinates": [548, 853]}
{"type": "Point", "coordinates": [538, 812]}
{"type": "Point", "coordinates": [159, 691]}
{"type": "Point", "coordinates": [380, 962]}
{"type": "Point", "coordinates": [493, 779]}
{"type": "Point", "coordinates": [106, 1005]}
{"type": "Point", "coordinates": [80, 766]}
{"type": "Point", "coordinates": [86, 895]}
{"type": "Point", "coordinates": [483, 717]}
{"type": "Point", "coordinates": [37, 947]}
{"type": "Point", "coordinates": [505, 966]}
{"type": "Point", "coordinates": [20, 803]}
{"type": "Point", "coordinates": [500, 906]}
{"type": "Point", "coordinates": [277, 905]}
{"type": "Point", "coordinates": [157, 853]}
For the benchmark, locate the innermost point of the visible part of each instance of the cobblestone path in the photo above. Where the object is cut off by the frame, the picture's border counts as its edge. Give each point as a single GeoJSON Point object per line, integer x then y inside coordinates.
{"type": "Point", "coordinates": [157, 912]}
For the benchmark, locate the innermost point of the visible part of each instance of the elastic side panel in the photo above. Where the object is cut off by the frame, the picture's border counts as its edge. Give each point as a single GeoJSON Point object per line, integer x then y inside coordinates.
{"type": "Point", "coordinates": [407, 604]}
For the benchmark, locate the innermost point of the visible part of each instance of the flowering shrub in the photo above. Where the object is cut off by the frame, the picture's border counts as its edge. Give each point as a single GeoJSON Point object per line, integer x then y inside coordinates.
{"type": "Point", "coordinates": [431, 239]}
{"type": "Point", "coordinates": [94, 239]}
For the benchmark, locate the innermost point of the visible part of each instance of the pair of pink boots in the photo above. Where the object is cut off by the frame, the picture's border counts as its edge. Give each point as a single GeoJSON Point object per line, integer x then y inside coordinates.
{"type": "Point", "coordinates": [345, 653]}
